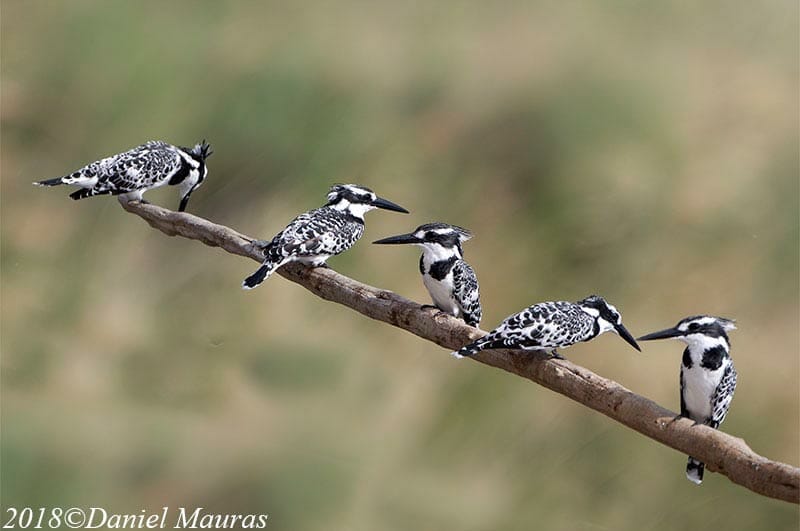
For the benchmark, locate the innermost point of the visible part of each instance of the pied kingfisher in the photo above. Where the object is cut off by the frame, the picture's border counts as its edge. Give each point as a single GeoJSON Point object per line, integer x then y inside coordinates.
{"type": "Point", "coordinates": [549, 325]}
{"type": "Point", "coordinates": [315, 236]}
{"type": "Point", "coordinates": [449, 279]}
{"type": "Point", "coordinates": [708, 377]}
{"type": "Point", "coordinates": [132, 173]}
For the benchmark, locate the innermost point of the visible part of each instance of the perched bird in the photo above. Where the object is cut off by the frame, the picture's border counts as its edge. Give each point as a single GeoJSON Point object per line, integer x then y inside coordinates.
{"type": "Point", "coordinates": [449, 279]}
{"type": "Point", "coordinates": [549, 325]}
{"type": "Point", "coordinates": [132, 173]}
{"type": "Point", "coordinates": [708, 377]}
{"type": "Point", "coordinates": [315, 236]}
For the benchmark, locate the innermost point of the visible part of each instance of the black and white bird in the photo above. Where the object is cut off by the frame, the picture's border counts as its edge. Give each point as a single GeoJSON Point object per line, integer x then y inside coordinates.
{"type": "Point", "coordinates": [132, 173]}
{"type": "Point", "coordinates": [450, 280]}
{"type": "Point", "coordinates": [549, 325]}
{"type": "Point", "coordinates": [708, 378]}
{"type": "Point", "coordinates": [315, 236]}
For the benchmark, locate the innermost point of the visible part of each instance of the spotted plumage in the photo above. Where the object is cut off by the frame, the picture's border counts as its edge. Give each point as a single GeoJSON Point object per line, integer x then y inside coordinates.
{"type": "Point", "coordinates": [708, 377]}
{"type": "Point", "coordinates": [449, 279]}
{"type": "Point", "coordinates": [550, 325]}
{"type": "Point", "coordinates": [466, 293]}
{"type": "Point", "coordinates": [315, 236]}
{"type": "Point", "coordinates": [130, 174]}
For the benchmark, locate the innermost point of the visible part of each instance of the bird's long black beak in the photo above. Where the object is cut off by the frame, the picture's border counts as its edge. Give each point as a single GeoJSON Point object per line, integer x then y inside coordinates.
{"type": "Point", "coordinates": [662, 334]}
{"type": "Point", "coordinates": [402, 238]}
{"type": "Point", "coordinates": [388, 205]}
{"type": "Point", "coordinates": [624, 334]}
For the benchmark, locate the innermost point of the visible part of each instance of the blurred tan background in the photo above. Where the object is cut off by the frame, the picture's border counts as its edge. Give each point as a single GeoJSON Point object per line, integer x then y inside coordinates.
{"type": "Point", "coordinates": [647, 152]}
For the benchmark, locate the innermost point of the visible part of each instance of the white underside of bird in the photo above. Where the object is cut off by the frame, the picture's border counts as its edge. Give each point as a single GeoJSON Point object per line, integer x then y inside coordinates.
{"type": "Point", "coordinates": [700, 383]}
{"type": "Point", "coordinates": [441, 292]}
{"type": "Point", "coordinates": [700, 386]}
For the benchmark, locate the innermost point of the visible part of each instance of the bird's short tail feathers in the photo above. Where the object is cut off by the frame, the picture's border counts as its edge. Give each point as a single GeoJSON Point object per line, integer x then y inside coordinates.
{"type": "Point", "coordinates": [50, 182]}
{"type": "Point", "coordinates": [469, 350]}
{"type": "Point", "coordinates": [694, 471]}
{"type": "Point", "coordinates": [83, 193]}
{"type": "Point", "coordinates": [261, 274]}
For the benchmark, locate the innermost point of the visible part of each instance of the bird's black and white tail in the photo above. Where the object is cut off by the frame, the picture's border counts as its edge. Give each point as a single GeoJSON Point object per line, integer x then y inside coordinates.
{"type": "Point", "coordinates": [261, 274]}
{"type": "Point", "coordinates": [83, 193]}
{"type": "Point", "coordinates": [471, 349]}
{"type": "Point", "coordinates": [50, 182]}
{"type": "Point", "coordinates": [694, 471]}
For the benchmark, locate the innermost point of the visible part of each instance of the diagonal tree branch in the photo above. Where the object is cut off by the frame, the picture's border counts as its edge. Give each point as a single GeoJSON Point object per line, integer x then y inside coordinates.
{"type": "Point", "coordinates": [721, 452]}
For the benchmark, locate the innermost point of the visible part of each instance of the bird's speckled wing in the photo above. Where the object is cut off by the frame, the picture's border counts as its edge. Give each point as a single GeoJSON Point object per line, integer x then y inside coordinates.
{"type": "Point", "coordinates": [684, 411]}
{"type": "Point", "coordinates": [142, 167]}
{"type": "Point", "coordinates": [323, 231]}
{"type": "Point", "coordinates": [466, 292]}
{"type": "Point", "coordinates": [544, 326]}
{"type": "Point", "coordinates": [723, 395]}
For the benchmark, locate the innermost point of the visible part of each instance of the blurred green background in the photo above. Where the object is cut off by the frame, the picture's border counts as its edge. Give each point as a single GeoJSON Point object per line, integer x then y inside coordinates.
{"type": "Point", "coordinates": [644, 151]}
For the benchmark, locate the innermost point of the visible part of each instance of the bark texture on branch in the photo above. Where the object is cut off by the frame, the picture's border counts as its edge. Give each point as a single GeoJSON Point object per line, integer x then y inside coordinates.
{"type": "Point", "coordinates": [721, 452]}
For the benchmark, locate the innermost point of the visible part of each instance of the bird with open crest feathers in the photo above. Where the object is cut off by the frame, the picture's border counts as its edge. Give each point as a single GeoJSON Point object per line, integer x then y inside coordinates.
{"type": "Point", "coordinates": [548, 326]}
{"type": "Point", "coordinates": [708, 377]}
{"type": "Point", "coordinates": [132, 173]}
{"type": "Point", "coordinates": [315, 236]}
{"type": "Point", "coordinates": [449, 279]}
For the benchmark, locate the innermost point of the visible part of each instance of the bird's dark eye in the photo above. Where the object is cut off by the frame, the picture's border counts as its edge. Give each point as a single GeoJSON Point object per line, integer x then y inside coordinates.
{"type": "Point", "coordinates": [694, 326]}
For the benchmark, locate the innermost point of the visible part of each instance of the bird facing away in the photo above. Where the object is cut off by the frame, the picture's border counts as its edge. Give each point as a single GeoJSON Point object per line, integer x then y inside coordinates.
{"type": "Point", "coordinates": [449, 279]}
{"type": "Point", "coordinates": [315, 236]}
{"type": "Point", "coordinates": [132, 173]}
{"type": "Point", "coordinates": [708, 378]}
{"type": "Point", "coordinates": [549, 325]}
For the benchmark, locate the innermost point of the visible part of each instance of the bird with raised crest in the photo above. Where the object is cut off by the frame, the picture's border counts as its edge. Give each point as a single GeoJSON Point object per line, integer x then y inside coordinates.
{"type": "Point", "coordinates": [132, 173]}
{"type": "Point", "coordinates": [708, 377]}
{"type": "Point", "coordinates": [314, 236]}
{"type": "Point", "coordinates": [448, 278]}
{"type": "Point", "coordinates": [548, 326]}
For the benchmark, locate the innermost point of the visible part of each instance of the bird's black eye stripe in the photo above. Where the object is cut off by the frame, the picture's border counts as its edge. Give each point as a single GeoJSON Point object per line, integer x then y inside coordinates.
{"type": "Point", "coordinates": [355, 197]}
{"type": "Point", "coordinates": [694, 326]}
